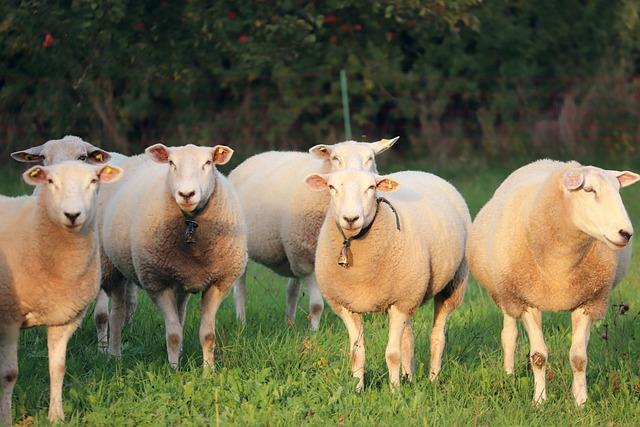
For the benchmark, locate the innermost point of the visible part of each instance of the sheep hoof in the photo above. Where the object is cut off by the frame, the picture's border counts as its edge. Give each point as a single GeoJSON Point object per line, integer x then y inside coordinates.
{"type": "Point", "coordinates": [103, 347]}
{"type": "Point", "coordinates": [360, 386]}
{"type": "Point", "coordinates": [290, 323]}
{"type": "Point", "coordinates": [433, 376]}
{"type": "Point", "coordinates": [580, 396]}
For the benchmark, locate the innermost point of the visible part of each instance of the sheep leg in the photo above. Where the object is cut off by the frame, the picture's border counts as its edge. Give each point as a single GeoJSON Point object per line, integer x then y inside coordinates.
{"type": "Point", "coordinates": [182, 300]}
{"type": "Point", "coordinates": [209, 305]}
{"type": "Point", "coordinates": [316, 302]}
{"type": "Point", "coordinates": [239, 298]}
{"type": "Point", "coordinates": [117, 318]}
{"type": "Point", "coordinates": [532, 321]}
{"type": "Point", "coordinates": [101, 319]}
{"type": "Point", "coordinates": [445, 301]}
{"type": "Point", "coordinates": [132, 301]}
{"type": "Point", "coordinates": [355, 328]}
{"type": "Point", "coordinates": [408, 359]}
{"type": "Point", "coordinates": [509, 337]}
{"type": "Point", "coordinates": [9, 337]}
{"type": "Point", "coordinates": [166, 302]}
{"type": "Point", "coordinates": [397, 323]}
{"type": "Point", "coordinates": [293, 292]}
{"type": "Point", "coordinates": [57, 339]}
{"type": "Point", "coordinates": [581, 325]}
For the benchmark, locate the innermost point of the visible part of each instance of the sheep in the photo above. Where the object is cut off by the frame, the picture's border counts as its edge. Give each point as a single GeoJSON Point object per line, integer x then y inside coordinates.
{"type": "Point", "coordinates": [49, 267]}
{"type": "Point", "coordinates": [392, 255]}
{"type": "Point", "coordinates": [283, 222]}
{"type": "Point", "coordinates": [175, 227]}
{"type": "Point", "coordinates": [71, 147]}
{"type": "Point", "coordinates": [555, 236]}
{"type": "Point", "coordinates": [68, 147]}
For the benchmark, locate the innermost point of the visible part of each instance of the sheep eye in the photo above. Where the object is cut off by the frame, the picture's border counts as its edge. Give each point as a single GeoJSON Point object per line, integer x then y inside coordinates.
{"type": "Point", "coordinates": [173, 165]}
{"type": "Point", "coordinates": [332, 188]}
{"type": "Point", "coordinates": [82, 158]}
{"type": "Point", "coordinates": [371, 187]}
{"type": "Point", "coordinates": [94, 181]}
{"type": "Point", "coordinates": [50, 181]}
{"type": "Point", "coordinates": [589, 189]}
{"type": "Point", "coordinates": [208, 163]}
{"type": "Point", "coordinates": [335, 159]}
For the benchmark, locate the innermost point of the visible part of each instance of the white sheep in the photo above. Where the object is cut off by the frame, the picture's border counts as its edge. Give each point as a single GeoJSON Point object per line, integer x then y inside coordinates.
{"type": "Point", "coordinates": [49, 267]}
{"type": "Point", "coordinates": [71, 147]}
{"type": "Point", "coordinates": [67, 148]}
{"type": "Point", "coordinates": [392, 255]}
{"type": "Point", "coordinates": [555, 236]}
{"type": "Point", "coordinates": [284, 215]}
{"type": "Point", "coordinates": [174, 225]}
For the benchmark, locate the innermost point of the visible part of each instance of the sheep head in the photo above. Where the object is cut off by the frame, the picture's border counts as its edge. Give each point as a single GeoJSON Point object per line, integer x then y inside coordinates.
{"type": "Point", "coordinates": [191, 176]}
{"type": "Point", "coordinates": [353, 196]}
{"type": "Point", "coordinates": [352, 154]}
{"type": "Point", "coordinates": [59, 150]}
{"type": "Point", "coordinates": [595, 205]}
{"type": "Point", "coordinates": [69, 190]}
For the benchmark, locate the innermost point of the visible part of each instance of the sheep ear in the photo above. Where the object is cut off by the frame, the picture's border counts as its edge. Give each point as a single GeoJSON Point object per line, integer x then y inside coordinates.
{"type": "Point", "coordinates": [317, 182]}
{"type": "Point", "coordinates": [97, 156]}
{"type": "Point", "coordinates": [386, 184]}
{"type": "Point", "coordinates": [35, 175]}
{"type": "Point", "coordinates": [573, 179]}
{"type": "Point", "coordinates": [383, 145]}
{"type": "Point", "coordinates": [31, 155]}
{"type": "Point", "coordinates": [221, 154]}
{"type": "Point", "coordinates": [625, 178]}
{"type": "Point", "coordinates": [110, 173]}
{"type": "Point", "coordinates": [321, 151]}
{"type": "Point", "coordinates": [158, 152]}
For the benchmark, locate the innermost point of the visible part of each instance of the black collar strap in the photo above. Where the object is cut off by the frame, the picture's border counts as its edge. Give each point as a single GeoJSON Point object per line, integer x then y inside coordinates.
{"type": "Point", "coordinates": [346, 258]}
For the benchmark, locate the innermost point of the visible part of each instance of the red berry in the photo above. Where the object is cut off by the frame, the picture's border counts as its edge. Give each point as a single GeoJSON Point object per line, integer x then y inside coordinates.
{"type": "Point", "coordinates": [243, 38]}
{"type": "Point", "coordinates": [47, 41]}
{"type": "Point", "coordinates": [330, 19]}
{"type": "Point", "coordinates": [357, 27]}
{"type": "Point", "coordinates": [345, 27]}
{"type": "Point", "coordinates": [232, 15]}
{"type": "Point", "coordinates": [139, 26]}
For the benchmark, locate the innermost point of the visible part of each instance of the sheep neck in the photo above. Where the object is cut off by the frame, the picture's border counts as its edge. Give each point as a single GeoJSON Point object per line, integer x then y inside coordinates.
{"type": "Point", "coordinates": [556, 244]}
{"type": "Point", "coordinates": [345, 258]}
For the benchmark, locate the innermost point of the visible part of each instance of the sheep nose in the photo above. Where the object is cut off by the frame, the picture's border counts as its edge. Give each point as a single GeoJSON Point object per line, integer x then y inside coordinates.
{"type": "Point", "coordinates": [72, 216]}
{"type": "Point", "coordinates": [187, 196]}
{"type": "Point", "coordinates": [625, 234]}
{"type": "Point", "coordinates": [351, 220]}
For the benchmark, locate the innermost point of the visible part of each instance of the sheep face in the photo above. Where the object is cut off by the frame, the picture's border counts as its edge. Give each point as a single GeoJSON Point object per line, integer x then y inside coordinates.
{"type": "Point", "coordinates": [352, 154]}
{"type": "Point", "coordinates": [60, 150]}
{"type": "Point", "coordinates": [191, 177]}
{"type": "Point", "coordinates": [595, 204]}
{"type": "Point", "coordinates": [353, 196]}
{"type": "Point", "coordinates": [69, 190]}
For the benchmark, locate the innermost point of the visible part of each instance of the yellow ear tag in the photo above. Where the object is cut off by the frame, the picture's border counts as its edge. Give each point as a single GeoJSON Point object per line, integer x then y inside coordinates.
{"type": "Point", "coordinates": [34, 172]}
{"type": "Point", "coordinates": [323, 149]}
{"type": "Point", "coordinates": [108, 170]}
{"type": "Point", "coordinates": [389, 185]}
{"type": "Point", "coordinates": [99, 157]}
{"type": "Point", "coordinates": [220, 150]}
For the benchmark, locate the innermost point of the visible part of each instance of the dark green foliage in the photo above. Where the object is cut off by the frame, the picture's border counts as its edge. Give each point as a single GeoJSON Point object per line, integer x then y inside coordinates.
{"type": "Point", "coordinates": [453, 78]}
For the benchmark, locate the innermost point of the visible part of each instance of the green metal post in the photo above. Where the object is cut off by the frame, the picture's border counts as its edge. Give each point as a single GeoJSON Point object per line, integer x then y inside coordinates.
{"type": "Point", "coordinates": [345, 104]}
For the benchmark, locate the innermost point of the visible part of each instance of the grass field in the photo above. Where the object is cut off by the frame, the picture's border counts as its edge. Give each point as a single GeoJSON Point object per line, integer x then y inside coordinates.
{"type": "Point", "coordinates": [272, 374]}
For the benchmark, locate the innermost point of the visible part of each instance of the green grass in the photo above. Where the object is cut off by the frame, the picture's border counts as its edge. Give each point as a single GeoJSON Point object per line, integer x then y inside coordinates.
{"type": "Point", "coordinates": [269, 373]}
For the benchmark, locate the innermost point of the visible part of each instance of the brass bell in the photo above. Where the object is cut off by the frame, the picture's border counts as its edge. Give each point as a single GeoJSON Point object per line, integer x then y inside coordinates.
{"type": "Point", "coordinates": [345, 258]}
